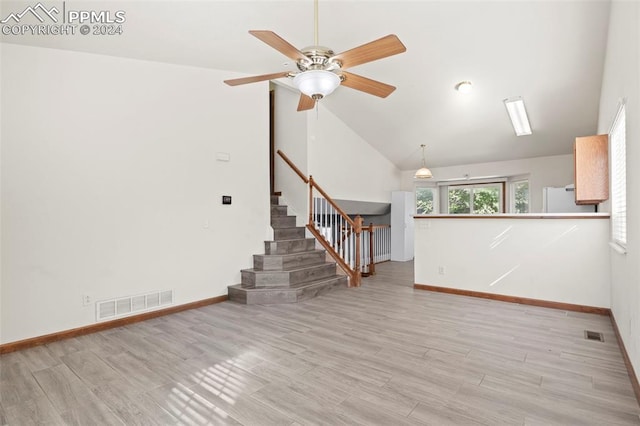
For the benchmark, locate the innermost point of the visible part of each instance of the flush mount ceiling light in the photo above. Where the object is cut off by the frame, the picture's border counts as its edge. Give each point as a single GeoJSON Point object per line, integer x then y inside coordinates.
{"type": "Point", "coordinates": [316, 84]}
{"type": "Point", "coordinates": [518, 116]}
{"type": "Point", "coordinates": [464, 87]}
{"type": "Point", "coordinates": [423, 172]}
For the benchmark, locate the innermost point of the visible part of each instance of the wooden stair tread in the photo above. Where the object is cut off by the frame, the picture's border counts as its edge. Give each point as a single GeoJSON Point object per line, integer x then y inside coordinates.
{"type": "Point", "coordinates": [294, 254]}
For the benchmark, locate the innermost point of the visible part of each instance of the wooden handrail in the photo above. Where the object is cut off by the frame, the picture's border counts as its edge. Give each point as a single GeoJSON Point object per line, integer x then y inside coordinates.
{"type": "Point", "coordinates": [354, 273]}
{"type": "Point", "coordinates": [341, 212]}
{"type": "Point", "coordinates": [293, 166]}
{"type": "Point", "coordinates": [376, 227]}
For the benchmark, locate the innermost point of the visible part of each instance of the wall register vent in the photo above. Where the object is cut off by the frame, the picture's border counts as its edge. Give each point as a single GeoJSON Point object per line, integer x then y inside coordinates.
{"type": "Point", "coordinates": [130, 305]}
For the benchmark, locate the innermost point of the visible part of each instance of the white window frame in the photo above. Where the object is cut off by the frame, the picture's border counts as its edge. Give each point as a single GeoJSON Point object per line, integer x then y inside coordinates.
{"type": "Point", "coordinates": [512, 195]}
{"type": "Point", "coordinates": [434, 190]}
{"type": "Point", "coordinates": [471, 187]}
{"type": "Point", "coordinates": [617, 148]}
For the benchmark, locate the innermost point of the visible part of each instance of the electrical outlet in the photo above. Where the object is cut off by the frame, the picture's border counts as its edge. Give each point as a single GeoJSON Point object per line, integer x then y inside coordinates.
{"type": "Point", "coordinates": [441, 270]}
{"type": "Point", "coordinates": [86, 300]}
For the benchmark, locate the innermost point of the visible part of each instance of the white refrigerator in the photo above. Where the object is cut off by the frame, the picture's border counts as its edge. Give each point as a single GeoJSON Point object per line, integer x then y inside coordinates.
{"type": "Point", "coordinates": [403, 207]}
{"type": "Point", "coordinates": [562, 200]}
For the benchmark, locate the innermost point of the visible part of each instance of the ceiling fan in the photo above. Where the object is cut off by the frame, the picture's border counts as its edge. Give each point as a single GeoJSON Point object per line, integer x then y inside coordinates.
{"type": "Point", "coordinates": [322, 71]}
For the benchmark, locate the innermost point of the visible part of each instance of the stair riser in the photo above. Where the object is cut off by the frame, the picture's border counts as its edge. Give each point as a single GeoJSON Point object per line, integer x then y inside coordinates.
{"type": "Point", "coordinates": [251, 279]}
{"type": "Point", "coordinates": [310, 259]}
{"type": "Point", "coordinates": [288, 247]}
{"type": "Point", "coordinates": [261, 279]}
{"type": "Point", "coordinates": [275, 200]}
{"type": "Point", "coordinates": [262, 298]}
{"type": "Point", "coordinates": [309, 293]}
{"type": "Point", "coordinates": [312, 273]}
{"type": "Point", "coordinates": [283, 221]}
{"type": "Point", "coordinates": [277, 263]}
{"type": "Point", "coordinates": [278, 211]}
{"type": "Point", "coordinates": [288, 233]}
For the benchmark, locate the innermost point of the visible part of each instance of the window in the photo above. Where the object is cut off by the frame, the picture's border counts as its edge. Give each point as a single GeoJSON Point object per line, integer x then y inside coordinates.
{"type": "Point", "coordinates": [425, 200]}
{"type": "Point", "coordinates": [617, 138]}
{"type": "Point", "coordinates": [459, 200]}
{"type": "Point", "coordinates": [519, 196]}
{"type": "Point", "coordinates": [475, 199]}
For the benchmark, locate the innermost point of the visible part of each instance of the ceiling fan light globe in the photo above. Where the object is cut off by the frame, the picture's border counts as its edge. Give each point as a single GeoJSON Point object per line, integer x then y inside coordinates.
{"type": "Point", "coordinates": [316, 83]}
{"type": "Point", "coordinates": [423, 173]}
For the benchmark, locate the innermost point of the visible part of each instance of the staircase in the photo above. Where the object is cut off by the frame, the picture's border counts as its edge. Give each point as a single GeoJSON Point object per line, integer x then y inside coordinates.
{"type": "Point", "coordinates": [291, 270]}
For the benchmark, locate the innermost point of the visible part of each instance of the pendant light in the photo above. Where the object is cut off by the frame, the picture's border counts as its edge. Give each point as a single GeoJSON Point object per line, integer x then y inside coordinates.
{"type": "Point", "coordinates": [423, 172]}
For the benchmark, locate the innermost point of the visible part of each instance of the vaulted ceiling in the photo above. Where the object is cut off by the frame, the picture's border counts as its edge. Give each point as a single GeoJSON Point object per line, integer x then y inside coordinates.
{"type": "Point", "coordinates": [549, 52]}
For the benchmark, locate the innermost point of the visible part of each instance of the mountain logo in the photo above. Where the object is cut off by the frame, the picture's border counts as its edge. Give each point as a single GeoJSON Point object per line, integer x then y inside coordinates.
{"type": "Point", "coordinates": [38, 11]}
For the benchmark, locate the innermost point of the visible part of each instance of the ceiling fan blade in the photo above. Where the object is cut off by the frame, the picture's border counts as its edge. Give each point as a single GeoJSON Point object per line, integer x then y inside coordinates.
{"type": "Point", "coordinates": [383, 47]}
{"type": "Point", "coordinates": [256, 78]}
{"type": "Point", "coordinates": [280, 44]}
{"type": "Point", "coordinates": [306, 102]}
{"type": "Point", "coordinates": [364, 84]}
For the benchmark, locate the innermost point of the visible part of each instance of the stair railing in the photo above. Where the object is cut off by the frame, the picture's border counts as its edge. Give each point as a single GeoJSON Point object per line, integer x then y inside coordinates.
{"type": "Point", "coordinates": [376, 247]}
{"type": "Point", "coordinates": [338, 234]}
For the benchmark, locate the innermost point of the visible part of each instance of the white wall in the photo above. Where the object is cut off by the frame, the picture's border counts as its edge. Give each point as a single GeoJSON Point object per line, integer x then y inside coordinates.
{"type": "Point", "coordinates": [543, 171]}
{"type": "Point", "coordinates": [110, 184]}
{"type": "Point", "coordinates": [344, 164]}
{"type": "Point", "coordinates": [290, 133]}
{"type": "Point", "coordinates": [1, 132]}
{"type": "Point", "coordinates": [622, 79]}
{"type": "Point", "coordinates": [561, 260]}
{"type": "Point", "coordinates": [322, 145]}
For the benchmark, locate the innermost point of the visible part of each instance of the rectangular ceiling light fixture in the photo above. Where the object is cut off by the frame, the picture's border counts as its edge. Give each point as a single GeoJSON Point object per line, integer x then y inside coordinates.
{"type": "Point", "coordinates": [518, 116]}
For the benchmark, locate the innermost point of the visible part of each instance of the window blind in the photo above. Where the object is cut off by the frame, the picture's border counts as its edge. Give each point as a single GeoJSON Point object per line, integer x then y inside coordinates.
{"type": "Point", "coordinates": [617, 136]}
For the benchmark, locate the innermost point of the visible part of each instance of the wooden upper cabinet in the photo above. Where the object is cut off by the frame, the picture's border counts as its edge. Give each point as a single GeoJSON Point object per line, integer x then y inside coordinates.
{"type": "Point", "coordinates": [591, 169]}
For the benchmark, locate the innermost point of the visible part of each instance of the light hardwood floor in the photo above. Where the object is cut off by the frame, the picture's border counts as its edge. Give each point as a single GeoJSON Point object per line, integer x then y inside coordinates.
{"type": "Point", "coordinates": [383, 354]}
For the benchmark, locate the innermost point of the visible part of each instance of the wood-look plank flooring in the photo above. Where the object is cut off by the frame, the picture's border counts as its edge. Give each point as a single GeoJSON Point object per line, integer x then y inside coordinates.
{"type": "Point", "coordinates": [382, 354]}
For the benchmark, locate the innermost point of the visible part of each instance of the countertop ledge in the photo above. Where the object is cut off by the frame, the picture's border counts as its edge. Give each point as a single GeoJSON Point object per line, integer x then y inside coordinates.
{"type": "Point", "coordinates": [516, 216]}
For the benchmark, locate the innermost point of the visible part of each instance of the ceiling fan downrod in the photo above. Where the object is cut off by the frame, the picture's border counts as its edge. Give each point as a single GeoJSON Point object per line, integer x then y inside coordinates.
{"type": "Point", "coordinates": [315, 22]}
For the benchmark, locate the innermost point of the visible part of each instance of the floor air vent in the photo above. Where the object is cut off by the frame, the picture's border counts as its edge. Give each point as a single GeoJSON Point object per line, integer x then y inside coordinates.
{"type": "Point", "coordinates": [124, 306]}
{"type": "Point", "coordinates": [593, 335]}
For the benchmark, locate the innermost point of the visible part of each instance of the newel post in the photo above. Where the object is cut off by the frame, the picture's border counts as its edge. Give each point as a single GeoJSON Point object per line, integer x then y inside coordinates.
{"type": "Point", "coordinates": [310, 200]}
{"type": "Point", "coordinates": [372, 247]}
{"type": "Point", "coordinates": [357, 276]}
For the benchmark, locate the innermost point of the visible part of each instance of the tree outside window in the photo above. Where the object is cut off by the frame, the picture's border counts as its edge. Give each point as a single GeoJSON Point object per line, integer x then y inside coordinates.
{"type": "Point", "coordinates": [425, 201]}
{"type": "Point", "coordinates": [459, 200]}
{"type": "Point", "coordinates": [475, 199]}
{"type": "Point", "coordinates": [520, 196]}
{"type": "Point", "coordinates": [486, 200]}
